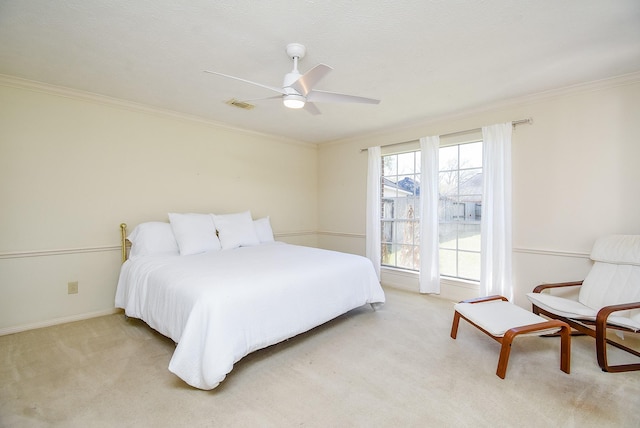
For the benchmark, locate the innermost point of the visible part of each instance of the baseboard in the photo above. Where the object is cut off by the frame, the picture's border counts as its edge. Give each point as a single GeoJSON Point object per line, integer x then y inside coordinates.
{"type": "Point", "coordinates": [56, 321]}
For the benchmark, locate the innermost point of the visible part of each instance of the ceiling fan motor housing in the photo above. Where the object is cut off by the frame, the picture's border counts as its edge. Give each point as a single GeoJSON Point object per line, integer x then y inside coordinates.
{"type": "Point", "coordinates": [296, 50]}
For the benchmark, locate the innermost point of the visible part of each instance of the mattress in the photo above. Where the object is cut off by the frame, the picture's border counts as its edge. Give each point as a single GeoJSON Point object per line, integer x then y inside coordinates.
{"type": "Point", "coordinates": [221, 305]}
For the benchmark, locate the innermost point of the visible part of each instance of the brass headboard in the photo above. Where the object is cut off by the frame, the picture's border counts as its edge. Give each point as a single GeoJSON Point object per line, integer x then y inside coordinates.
{"type": "Point", "coordinates": [125, 244]}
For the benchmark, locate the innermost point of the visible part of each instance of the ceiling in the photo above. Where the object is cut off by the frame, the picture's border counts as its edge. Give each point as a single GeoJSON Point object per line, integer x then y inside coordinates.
{"type": "Point", "coordinates": [424, 59]}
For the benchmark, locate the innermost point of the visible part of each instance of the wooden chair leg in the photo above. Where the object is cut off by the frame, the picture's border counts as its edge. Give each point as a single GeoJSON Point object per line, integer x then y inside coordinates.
{"type": "Point", "coordinates": [505, 351]}
{"type": "Point", "coordinates": [565, 349]}
{"type": "Point", "coordinates": [454, 325]}
{"type": "Point", "coordinates": [601, 348]}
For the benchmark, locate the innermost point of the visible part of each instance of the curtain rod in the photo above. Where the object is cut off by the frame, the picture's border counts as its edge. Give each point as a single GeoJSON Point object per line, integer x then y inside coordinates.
{"type": "Point", "coordinates": [453, 134]}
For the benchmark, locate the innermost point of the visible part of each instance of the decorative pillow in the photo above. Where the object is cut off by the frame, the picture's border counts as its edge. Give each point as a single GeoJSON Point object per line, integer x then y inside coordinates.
{"type": "Point", "coordinates": [152, 238]}
{"type": "Point", "coordinates": [263, 229]}
{"type": "Point", "coordinates": [195, 233]}
{"type": "Point", "coordinates": [236, 230]}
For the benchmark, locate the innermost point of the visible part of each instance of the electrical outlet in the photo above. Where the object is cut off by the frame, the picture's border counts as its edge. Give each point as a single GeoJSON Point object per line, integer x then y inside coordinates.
{"type": "Point", "coordinates": [72, 287]}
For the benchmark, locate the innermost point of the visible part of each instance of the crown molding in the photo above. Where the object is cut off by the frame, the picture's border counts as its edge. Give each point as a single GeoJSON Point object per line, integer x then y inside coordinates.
{"type": "Point", "coordinates": [591, 86]}
{"type": "Point", "coordinates": [76, 94]}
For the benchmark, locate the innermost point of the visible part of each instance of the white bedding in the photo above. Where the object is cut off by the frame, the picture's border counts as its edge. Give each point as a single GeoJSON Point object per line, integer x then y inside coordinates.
{"type": "Point", "coordinates": [221, 305]}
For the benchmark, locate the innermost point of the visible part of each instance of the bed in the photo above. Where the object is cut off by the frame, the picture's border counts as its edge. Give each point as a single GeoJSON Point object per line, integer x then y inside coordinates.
{"type": "Point", "coordinates": [224, 288]}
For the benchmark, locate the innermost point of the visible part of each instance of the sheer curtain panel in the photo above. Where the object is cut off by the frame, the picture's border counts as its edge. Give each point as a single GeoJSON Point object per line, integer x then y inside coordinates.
{"type": "Point", "coordinates": [429, 240]}
{"type": "Point", "coordinates": [496, 271]}
{"type": "Point", "coordinates": [373, 235]}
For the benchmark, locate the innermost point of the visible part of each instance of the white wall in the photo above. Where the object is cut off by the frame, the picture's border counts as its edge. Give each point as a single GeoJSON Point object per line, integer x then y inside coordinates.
{"type": "Point", "coordinates": [576, 176]}
{"type": "Point", "coordinates": [73, 167]}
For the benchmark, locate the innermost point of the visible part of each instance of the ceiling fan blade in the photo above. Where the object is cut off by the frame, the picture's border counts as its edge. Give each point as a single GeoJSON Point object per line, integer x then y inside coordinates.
{"type": "Point", "coordinates": [273, 88]}
{"type": "Point", "coordinates": [334, 97]}
{"type": "Point", "coordinates": [311, 108]}
{"type": "Point", "coordinates": [305, 84]}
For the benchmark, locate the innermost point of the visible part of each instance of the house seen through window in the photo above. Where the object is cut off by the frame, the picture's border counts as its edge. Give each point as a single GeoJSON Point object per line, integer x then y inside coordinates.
{"type": "Point", "coordinates": [459, 210]}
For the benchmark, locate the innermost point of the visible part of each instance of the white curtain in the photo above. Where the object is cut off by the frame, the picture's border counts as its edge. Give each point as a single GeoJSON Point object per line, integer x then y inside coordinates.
{"type": "Point", "coordinates": [495, 276]}
{"type": "Point", "coordinates": [429, 240]}
{"type": "Point", "coordinates": [373, 208]}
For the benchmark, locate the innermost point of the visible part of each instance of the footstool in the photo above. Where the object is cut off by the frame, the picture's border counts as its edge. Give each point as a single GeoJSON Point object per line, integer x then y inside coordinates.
{"type": "Point", "coordinates": [503, 321]}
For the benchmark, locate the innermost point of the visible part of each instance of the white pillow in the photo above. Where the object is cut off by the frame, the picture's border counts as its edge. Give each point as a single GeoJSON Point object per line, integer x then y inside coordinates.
{"type": "Point", "coordinates": [263, 229]}
{"type": "Point", "coordinates": [152, 238]}
{"type": "Point", "coordinates": [236, 230]}
{"type": "Point", "coordinates": [195, 233]}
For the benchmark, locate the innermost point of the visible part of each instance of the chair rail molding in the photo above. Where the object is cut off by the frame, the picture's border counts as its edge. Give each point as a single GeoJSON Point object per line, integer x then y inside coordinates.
{"type": "Point", "coordinates": [555, 253]}
{"type": "Point", "coordinates": [107, 248]}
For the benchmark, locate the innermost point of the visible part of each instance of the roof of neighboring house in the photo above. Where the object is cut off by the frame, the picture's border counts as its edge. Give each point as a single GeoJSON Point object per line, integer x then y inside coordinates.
{"type": "Point", "coordinates": [406, 185]}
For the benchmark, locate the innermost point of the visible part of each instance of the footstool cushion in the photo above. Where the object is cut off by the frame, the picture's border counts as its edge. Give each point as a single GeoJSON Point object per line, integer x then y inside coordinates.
{"type": "Point", "coordinates": [498, 316]}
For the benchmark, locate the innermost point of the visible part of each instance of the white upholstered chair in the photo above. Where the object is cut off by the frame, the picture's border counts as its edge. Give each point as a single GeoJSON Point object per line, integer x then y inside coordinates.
{"type": "Point", "coordinates": [608, 299]}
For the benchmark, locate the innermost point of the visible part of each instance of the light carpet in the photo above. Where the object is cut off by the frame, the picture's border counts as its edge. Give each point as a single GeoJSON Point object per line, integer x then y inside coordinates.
{"type": "Point", "coordinates": [396, 367]}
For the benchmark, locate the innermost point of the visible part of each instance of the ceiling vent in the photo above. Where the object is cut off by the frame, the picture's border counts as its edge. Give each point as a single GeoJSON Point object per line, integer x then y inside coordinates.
{"type": "Point", "coordinates": [240, 104]}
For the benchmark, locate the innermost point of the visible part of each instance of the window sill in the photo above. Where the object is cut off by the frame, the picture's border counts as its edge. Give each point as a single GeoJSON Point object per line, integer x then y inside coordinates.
{"type": "Point", "coordinates": [443, 279]}
{"type": "Point", "coordinates": [450, 288]}
{"type": "Point", "coordinates": [474, 285]}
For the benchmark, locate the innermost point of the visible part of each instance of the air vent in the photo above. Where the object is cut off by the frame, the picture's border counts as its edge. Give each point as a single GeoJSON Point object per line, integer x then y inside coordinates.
{"type": "Point", "coordinates": [240, 104]}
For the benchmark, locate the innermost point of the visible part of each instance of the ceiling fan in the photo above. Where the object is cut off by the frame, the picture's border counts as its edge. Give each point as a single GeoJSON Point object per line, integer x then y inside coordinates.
{"type": "Point", "coordinates": [297, 89]}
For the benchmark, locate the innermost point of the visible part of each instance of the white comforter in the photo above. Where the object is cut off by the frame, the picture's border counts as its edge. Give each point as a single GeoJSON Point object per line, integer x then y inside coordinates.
{"type": "Point", "coordinates": [222, 305]}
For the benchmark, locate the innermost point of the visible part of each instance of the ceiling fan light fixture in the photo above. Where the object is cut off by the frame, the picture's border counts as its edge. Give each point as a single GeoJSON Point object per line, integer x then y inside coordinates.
{"type": "Point", "coordinates": [293, 101]}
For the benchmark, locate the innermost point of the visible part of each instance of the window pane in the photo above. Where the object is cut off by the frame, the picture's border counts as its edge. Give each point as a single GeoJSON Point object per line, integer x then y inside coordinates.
{"type": "Point", "coordinates": [469, 237]}
{"type": "Point", "coordinates": [404, 208]}
{"type": "Point", "coordinates": [413, 207]}
{"type": "Point", "coordinates": [447, 262]}
{"type": "Point", "coordinates": [470, 181]}
{"type": "Point", "coordinates": [450, 209]}
{"type": "Point", "coordinates": [406, 163]}
{"type": "Point", "coordinates": [390, 188]}
{"type": "Point", "coordinates": [470, 209]}
{"type": "Point", "coordinates": [471, 155]}
{"type": "Point", "coordinates": [404, 233]}
{"type": "Point", "coordinates": [448, 183]}
{"type": "Point", "coordinates": [448, 158]}
{"type": "Point", "coordinates": [469, 265]}
{"type": "Point", "coordinates": [405, 256]}
{"type": "Point", "coordinates": [387, 209]}
{"type": "Point", "coordinates": [448, 235]}
{"type": "Point", "coordinates": [388, 255]}
{"type": "Point", "coordinates": [389, 165]}
{"type": "Point", "coordinates": [387, 231]}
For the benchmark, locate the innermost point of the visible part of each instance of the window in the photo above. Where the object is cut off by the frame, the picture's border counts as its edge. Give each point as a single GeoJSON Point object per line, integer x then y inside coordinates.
{"type": "Point", "coordinates": [400, 189]}
{"type": "Point", "coordinates": [459, 210]}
